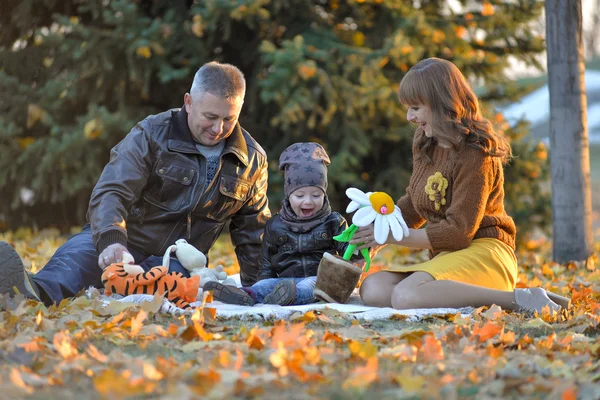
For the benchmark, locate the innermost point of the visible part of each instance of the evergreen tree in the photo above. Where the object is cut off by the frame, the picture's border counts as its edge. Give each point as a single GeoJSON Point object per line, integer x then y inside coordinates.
{"type": "Point", "coordinates": [80, 74]}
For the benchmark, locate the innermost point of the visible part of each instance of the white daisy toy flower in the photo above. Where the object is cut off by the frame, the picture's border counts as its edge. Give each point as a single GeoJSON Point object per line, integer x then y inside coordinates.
{"type": "Point", "coordinates": [377, 207]}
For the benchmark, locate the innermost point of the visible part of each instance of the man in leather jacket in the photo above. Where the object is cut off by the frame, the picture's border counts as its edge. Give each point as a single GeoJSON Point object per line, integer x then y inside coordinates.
{"type": "Point", "coordinates": [183, 173]}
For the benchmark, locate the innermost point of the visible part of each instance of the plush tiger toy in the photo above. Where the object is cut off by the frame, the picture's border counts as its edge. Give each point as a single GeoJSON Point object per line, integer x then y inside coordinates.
{"type": "Point", "coordinates": [179, 290]}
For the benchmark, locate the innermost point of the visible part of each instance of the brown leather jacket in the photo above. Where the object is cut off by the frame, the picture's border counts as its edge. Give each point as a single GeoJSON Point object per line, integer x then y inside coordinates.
{"type": "Point", "coordinates": [153, 191]}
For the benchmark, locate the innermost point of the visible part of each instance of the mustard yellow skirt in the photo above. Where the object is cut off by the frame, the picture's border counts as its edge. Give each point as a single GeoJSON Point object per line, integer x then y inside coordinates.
{"type": "Point", "coordinates": [486, 262]}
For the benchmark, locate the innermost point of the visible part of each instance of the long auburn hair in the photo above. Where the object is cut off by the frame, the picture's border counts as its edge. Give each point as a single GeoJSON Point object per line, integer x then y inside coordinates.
{"type": "Point", "coordinates": [456, 115]}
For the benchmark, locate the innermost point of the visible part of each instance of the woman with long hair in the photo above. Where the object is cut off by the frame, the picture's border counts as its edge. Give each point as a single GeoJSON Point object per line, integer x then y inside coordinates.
{"type": "Point", "coordinates": [457, 189]}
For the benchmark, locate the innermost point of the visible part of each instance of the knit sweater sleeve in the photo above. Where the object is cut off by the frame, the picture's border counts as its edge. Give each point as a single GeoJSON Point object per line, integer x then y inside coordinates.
{"type": "Point", "coordinates": [410, 215]}
{"type": "Point", "coordinates": [472, 183]}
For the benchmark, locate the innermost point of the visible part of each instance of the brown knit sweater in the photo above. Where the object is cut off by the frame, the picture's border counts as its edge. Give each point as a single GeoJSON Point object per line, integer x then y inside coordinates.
{"type": "Point", "coordinates": [472, 206]}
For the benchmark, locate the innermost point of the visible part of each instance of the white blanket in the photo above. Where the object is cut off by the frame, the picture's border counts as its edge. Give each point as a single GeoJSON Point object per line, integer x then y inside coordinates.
{"type": "Point", "coordinates": [354, 308]}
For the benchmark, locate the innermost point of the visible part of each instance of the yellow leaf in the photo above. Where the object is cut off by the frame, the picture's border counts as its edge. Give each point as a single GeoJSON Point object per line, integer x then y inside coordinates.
{"type": "Point", "coordinates": [93, 128]}
{"type": "Point", "coordinates": [358, 38]}
{"type": "Point", "coordinates": [363, 350]}
{"type": "Point", "coordinates": [157, 48]}
{"type": "Point", "coordinates": [150, 372]}
{"type": "Point", "coordinates": [48, 61]}
{"type": "Point", "coordinates": [34, 114]}
{"type": "Point", "coordinates": [404, 50]}
{"type": "Point", "coordinates": [493, 313]}
{"type": "Point", "coordinates": [25, 142]}
{"type": "Point", "coordinates": [408, 381]}
{"type": "Point", "coordinates": [109, 382]}
{"type": "Point", "coordinates": [144, 52]}
{"type": "Point", "coordinates": [536, 323]}
{"type": "Point", "coordinates": [307, 317]}
{"type": "Point", "coordinates": [197, 26]}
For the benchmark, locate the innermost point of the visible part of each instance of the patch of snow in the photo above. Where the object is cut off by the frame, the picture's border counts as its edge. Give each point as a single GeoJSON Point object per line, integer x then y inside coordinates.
{"type": "Point", "coordinates": [535, 107]}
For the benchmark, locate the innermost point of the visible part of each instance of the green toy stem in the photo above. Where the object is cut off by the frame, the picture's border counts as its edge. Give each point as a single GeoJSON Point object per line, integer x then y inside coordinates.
{"type": "Point", "coordinates": [345, 237]}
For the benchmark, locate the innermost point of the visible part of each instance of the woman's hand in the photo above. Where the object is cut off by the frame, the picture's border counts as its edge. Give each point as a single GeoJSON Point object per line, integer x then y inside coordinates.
{"type": "Point", "coordinates": [365, 238]}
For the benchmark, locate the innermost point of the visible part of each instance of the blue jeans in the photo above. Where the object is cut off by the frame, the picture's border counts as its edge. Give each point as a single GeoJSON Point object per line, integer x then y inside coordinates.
{"type": "Point", "coordinates": [74, 267]}
{"type": "Point", "coordinates": [304, 289]}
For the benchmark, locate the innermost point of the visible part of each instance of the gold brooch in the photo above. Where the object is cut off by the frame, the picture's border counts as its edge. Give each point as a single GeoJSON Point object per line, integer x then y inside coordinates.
{"type": "Point", "coordinates": [436, 189]}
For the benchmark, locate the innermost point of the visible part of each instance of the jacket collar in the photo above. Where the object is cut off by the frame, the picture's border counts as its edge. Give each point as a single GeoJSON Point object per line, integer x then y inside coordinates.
{"type": "Point", "coordinates": [180, 138]}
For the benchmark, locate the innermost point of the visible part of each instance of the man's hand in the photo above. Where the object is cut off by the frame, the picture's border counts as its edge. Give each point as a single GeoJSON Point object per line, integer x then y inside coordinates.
{"type": "Point", "coordinates": [113, 254]}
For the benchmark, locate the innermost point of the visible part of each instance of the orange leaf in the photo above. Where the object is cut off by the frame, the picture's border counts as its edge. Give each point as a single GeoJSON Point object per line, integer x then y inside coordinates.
{"type": "Point", "coordinates": [295, 336]}
{"type": "Point", "coordinates": [494, 351]}
{"type": "Point", "coordinates": [460, 31]}
{"type": "Point", "coordinates": [570, 393]}
{"type": "Point", "coordinates": [254, 341]}
{"type": "Point", "coordinates": [362, 377]}
{"type": "Point", "coordinates": [488, 9]}
{"type": "Point", "coordinates": [239, 360]}
{"type": "Point", "coordinates": [431, 350]}
{"type": "Point", "coordinates": [138, 322]}
{"type": "Point", "coordinates": [17, 380]}
{"type": "Point", "coordinates": [487, 331]}
{"type": "Point", "coordinates": [333, 337]}
{"type": "Point", "coordinates": [64, 344]}
{"type": "Point", "coordinates": [581, 294]}
{"type": "Point", "coordinates": [203, 382]}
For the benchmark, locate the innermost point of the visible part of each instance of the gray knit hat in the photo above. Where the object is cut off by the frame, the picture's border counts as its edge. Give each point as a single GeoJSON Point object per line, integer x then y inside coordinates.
{"type": "Point", "coordinates": [304, 164]}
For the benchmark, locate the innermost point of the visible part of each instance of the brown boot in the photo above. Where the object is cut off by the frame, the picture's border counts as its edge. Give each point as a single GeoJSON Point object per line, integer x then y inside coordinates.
{"type": "Point", "coordinates": [336, 279]}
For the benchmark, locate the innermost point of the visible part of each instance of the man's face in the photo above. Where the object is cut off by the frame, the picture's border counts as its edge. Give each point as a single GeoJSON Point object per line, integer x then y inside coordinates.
{"type": "Point", "coordinates": [212, 118]}
{"type": "Point", "coordinates": [307, 201]}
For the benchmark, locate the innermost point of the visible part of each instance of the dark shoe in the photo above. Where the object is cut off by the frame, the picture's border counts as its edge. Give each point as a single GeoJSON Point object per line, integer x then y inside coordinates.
{"type": "Point", "coordinates": [228, 294]}
{"type": "Point", "coordinates": [283, 293]}
{"type": "Point", "coordinates": [13, 274]}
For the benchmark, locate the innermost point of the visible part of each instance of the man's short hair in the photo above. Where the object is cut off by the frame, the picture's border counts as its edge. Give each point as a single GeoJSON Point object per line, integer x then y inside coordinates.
{"type": "Point", "coordinates": [222, 80]}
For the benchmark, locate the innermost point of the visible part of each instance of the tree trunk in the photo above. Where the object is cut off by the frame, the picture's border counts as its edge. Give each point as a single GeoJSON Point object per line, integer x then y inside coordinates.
{"type": "Point", "coordinates": [569, 147]}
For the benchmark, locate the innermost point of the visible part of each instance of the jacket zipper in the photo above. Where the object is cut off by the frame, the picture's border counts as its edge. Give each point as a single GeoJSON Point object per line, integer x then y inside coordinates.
{"type": "Point", "coordinates": [163, 245]}
{"type": "Point", "coordinates": [189, 225]}
{"type": "Point", "coordinates": [302, 256]}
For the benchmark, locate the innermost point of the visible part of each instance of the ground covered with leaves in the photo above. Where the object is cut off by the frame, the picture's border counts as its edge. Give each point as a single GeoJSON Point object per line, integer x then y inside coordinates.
{"type": "Point", "coordinates": [80, 349]}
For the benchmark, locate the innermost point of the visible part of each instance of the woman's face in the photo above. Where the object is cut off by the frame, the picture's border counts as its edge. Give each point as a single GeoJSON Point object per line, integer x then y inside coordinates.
{"type": "Point", "coordinates": [420, 114]}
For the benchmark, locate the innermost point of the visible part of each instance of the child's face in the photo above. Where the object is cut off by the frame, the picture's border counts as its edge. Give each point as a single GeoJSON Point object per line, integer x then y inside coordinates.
{"type": "Point", "coordinates": [307, 201]}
